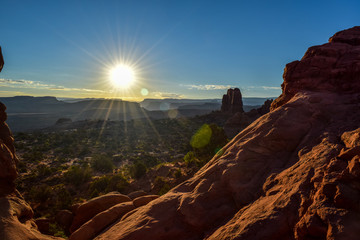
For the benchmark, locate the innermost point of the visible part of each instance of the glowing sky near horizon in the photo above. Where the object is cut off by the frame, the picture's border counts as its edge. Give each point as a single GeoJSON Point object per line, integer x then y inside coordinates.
{"type": "Point", "coordinates": [180, 49]}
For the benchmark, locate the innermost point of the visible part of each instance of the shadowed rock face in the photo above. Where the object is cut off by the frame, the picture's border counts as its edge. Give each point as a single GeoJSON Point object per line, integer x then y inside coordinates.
{"type": "Point", "coordinates": [292, 174]}
{"type": "Point", "coordinates": [232, 101]}
{"type": "Point", "coordinates": [16, 222]}
{"type": "Point", "coordinates": [334, 67]}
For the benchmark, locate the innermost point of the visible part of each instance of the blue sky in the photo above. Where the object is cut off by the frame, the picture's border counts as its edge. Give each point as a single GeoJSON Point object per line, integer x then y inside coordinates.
{"type": "Point", "coordinates": [185, 49]}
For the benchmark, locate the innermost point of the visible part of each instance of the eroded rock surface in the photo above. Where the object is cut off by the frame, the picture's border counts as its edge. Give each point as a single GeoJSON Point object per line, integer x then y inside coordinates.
{"type": "Point", "coordinates": [232, 101]}
{"type": "Point", "coordinates": [292, 174]}
{"type": "Point", "coordinates": [16, 222]}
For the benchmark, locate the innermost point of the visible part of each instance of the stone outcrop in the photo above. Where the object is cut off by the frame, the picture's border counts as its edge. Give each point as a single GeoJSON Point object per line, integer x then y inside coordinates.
{"type": "Point", "coordinates": [94, 226]}
{"type": "Point", "coordinates": [95, 215]}
{"type": "Point", "coordinates": [232, 101]}
{"type": "Point", "coordinates": [333, 67]}
{"type": "Point", "coordinates": [292, 174]}
{"type": "Point", "coordinates": [8, 170]}
{"type": "Point", "coordinates": [89, 209]}
{"type": "Point", "coordinates": [143, 200]}
{"type": "Point", "coordinates": [16, 216]}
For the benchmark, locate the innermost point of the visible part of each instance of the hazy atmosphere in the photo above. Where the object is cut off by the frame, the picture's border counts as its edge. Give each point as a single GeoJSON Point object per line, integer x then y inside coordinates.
{"type": "Point", "coordinates": [174, 49]}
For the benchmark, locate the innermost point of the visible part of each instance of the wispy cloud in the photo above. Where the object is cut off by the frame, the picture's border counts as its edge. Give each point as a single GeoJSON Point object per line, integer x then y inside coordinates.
{"type": "Point", "coordinates": [21, 83]}
{"type": "Point", "coordinates": [267, 88]}
{"type": "Point", "coordinates": [167, 95]}
{"type": "Point", "coordinates": [208, 87]}
{"type": "Point", "coordinates": [271, 88]}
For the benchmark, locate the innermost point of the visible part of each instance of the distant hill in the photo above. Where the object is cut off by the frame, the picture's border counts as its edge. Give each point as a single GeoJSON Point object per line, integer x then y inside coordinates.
{"type": "Point", "coordinates": [213, 104]}
{"type": "Point", "coordinates": [29, 113]}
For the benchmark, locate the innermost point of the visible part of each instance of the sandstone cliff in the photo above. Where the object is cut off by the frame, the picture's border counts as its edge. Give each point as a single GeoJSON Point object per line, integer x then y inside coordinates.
{"type": "Point", "coordinates": [16, 221]}
{"type": "Point", "coordinates": [292, 174]}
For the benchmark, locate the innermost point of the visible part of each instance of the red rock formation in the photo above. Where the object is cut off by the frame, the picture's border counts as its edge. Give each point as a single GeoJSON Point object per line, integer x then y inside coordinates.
{"type": "Point", "coordinates": [292, 174]}
{"type": "Point", "coordinates": [334, 67]}
{"type": "Point", "coordinates": [232, 101]}
{"type": "Point", "coordinates": [143, 200]}
{"type": "Point", "coordinates": [16, 222]}
{"type": "Point", "coordinates": [94, 206]}
{"type": "Point", "coordinates": [94, 226]}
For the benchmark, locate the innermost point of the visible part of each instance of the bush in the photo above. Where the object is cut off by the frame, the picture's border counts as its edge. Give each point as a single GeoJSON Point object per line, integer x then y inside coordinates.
{"type": "Point", "coordinates": [102, 163]}
{"type": "Point", "coordinates": [77, 175]}
{"type": "Point", "coordinates": [190, 158]}
{"type": "Point", "coordinates": [137, 170]}
{"type": "Point", "coordinates": [40, 193]}
{"type": "Point", "coordinates": [43, 171]}
{"type": "Point", "coordinates": [56, 230]}
{"type": "Point", "coordinates": [107, 184]}
{"type": "Point", "coordinates": [33, 156]}
{"type": "Point", "coordinates": [177, 173]}
{"type": "Point", "coordinates": [61, 197]}
{"type": "Point", "coordinates": [161, 184]}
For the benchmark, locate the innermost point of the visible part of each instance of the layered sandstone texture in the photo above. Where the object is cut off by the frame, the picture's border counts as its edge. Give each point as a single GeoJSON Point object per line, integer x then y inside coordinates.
{"type": "Point", "coordinates": [16, 222]}
{"type": "Point", "coordinates": [95, 215]}
{"type": "Point", "coordinates": [292, 174]}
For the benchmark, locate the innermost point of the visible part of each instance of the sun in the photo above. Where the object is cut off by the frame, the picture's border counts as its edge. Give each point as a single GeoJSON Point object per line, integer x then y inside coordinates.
{"type": "Point", "coordinates": [122, 76]}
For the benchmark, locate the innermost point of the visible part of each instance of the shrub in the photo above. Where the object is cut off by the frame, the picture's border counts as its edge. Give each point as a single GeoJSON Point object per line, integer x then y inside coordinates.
{"type": "Point", "coordinates": [177, 173]}
{"type": "Point", "coordinates": [61, 197]}
{"type": "Point", "coordinates": [161, 184]}
{"type": "Point", "coordinates": [190, 158]}
{"type": "Point", "coordinates": [77, 175]}
{"type": "Point", "coordinates": [56, 230]}
{"type": "Point", "coordinates": [43, 170]}
{"type": "Point", "coordinates": [40, 193]}
{"type": "Point", "coordinates": [102, 163]}
{"type": "Point", "coordinates": [137, 170]}
{"type": "Point", "coordinates": [108, 184]}
{"type": "Point", "coordinates": [33, 156]}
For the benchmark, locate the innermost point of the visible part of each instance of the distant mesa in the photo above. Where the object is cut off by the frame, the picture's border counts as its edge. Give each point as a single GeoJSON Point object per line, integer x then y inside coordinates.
{"type": "Point", "coordinates": [232, 101]}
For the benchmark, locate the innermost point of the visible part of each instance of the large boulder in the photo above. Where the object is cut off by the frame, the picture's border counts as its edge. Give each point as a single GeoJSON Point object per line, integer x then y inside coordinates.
{"type": "Point", "coordinates": [94, 206]}
{"type": "Point", "coordinates": [100, 221]}
{"type": "Point", "coordinates": [143, 200]}
{"type": "Point", "coordinates": [286, 176]}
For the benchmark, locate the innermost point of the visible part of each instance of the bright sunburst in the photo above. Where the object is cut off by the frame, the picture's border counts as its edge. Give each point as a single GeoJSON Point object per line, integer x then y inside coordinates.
{"type": "Point", "coordinates": [122, 76]}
